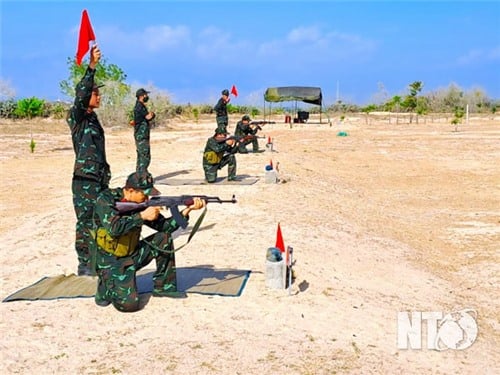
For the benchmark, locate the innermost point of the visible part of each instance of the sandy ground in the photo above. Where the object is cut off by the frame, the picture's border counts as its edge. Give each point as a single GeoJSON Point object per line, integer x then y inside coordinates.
{"type": "Point", "coordinates": [391, 218]}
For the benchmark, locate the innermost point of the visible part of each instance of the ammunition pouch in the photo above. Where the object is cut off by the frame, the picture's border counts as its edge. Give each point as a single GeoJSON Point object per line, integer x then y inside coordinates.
{"type": "Point", "coordinates": [212, 157]}
{"type": "Point", "coordinates": [121, 246]}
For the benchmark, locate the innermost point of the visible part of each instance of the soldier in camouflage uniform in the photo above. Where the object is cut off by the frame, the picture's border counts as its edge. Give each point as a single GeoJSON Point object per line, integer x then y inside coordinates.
{"type": "Point", "coordinates": [91, 172]}
{"type": "Point", "coordinates": [121, 253]}
{"type": "Point", "coordinates": [142, 126]}
{"type": "Point", "coordinates": [243, 128]}
{"type": "Point", "coordinates": [218, 153]}
{"type": "Point", "coordinates": [221, 110]}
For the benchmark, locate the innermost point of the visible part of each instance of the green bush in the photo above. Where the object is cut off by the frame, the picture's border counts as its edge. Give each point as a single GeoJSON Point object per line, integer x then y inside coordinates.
{"type": "Point", "coordinates": [57, 110]}
{"type": "Point", "coordinates": [29, 108]}
{"type": "Point", "coordinates": [196, 113]}
{"type": "Point", "coordinates": [206, 109]}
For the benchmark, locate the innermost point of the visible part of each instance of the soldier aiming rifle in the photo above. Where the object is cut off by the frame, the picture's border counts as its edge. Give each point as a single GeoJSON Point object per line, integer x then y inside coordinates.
{"type": "Point", "coordinates": [247, 130]}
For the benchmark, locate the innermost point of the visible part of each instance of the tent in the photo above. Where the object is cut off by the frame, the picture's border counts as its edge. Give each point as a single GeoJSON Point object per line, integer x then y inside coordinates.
{"type": "Point", "coordinates": [310, 95]}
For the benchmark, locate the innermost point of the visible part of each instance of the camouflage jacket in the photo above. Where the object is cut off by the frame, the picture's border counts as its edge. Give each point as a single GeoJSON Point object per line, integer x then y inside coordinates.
{"type": "Point", "coordinates": [116, 224]}
{"type": "Point", "coordinates": [87, 135]}
{"type": "Point", "coordinates": [244, 129]}
{"type": "Point", "coordinates": [221, 108]}
{"type": "Point", "coordinates": [219, 148]}
{"type": "Point", "coordinates": [141, 128]}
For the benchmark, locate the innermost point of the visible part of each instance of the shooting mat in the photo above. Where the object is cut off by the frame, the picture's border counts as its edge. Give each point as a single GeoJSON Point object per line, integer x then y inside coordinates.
{"type": "Point", "coordinates": [201, 181]}
{"type": "Point", "coordinates": [201, 280]}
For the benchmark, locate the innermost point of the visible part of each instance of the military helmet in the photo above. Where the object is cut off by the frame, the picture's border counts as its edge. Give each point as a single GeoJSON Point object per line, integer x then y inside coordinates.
{"type": "Point", "coordinates": [225, 92]}
{"type": "Point", "coordinates": [246, 118]}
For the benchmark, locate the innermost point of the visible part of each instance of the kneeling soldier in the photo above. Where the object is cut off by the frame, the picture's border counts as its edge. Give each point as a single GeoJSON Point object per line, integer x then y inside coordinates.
{"type": "Point", "coordinates": [218, 153]}
{"type": "Point", "coordinates": [121, 253]}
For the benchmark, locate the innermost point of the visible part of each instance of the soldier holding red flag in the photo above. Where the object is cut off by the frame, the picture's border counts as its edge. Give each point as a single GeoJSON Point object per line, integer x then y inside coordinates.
{"type": "Point", "coordinates": [221, 111]}
{"type": "Point", "coordinates": [91, 172]}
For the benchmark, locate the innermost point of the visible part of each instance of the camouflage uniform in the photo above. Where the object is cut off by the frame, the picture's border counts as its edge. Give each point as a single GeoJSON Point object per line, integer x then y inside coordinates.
{"type": "Point", "coordinates": [243, 130]}
{"type": "Point", "coordinates": [216, 156]}
{"type": "Point", "coordinates": [221, 112]}
{"type": "Point", "coordinates": [91, 172]}
{"type": "Point", "coordinates": [117, 274]}
{"type": "Point", "coordinates": [141, 136]}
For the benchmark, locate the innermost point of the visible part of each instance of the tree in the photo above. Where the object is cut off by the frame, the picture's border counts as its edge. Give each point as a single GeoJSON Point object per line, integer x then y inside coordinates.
{"type": "Point", "coordinates": [394, 105]}
{"type": "Point", "coordinates": [368, 109]}
{"type": "Point", "coordinates": [29, 108]}
{"type": "Point", "coordinates": [104, 74]}
{"type": "Point", "coordinates": [453, 98]}
{"type": "Point", "coordinates": [459, 115]}
{"type": "Point", "coordinates": [114, 93]}
{"type": "Point", "coordinates": [410, 102]}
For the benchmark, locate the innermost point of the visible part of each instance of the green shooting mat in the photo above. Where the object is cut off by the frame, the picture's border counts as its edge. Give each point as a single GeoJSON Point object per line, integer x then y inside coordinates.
{"type": "Point", "coordinates": [201, 280]}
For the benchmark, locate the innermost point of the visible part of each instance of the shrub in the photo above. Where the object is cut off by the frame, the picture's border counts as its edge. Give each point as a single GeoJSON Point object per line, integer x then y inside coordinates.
{"type": "Point", "coordinates": [8, 108]}
{"type": "Point", "coordinates": [29, 107]}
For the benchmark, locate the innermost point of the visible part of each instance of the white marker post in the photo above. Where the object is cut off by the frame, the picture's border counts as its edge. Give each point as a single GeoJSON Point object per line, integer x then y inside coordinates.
{"type": "Point", "coordinates": [289, 250]}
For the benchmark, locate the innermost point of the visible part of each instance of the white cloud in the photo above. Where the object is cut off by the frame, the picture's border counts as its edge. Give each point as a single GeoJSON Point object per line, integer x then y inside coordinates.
{"type": "Point", "coordinates": [313, 44]}
{"type": "Point", "coordinates": [213, 45]}
{"type": "Point", "coordinates": [479, 55]}
{"type": "Point", "coordinates": [304, 34]}
{"type": "Point", "coordinates": [160, 37]}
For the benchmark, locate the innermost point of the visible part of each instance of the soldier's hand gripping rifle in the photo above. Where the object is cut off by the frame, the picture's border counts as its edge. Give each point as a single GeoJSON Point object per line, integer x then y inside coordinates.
{"type": "Point", "coordinates": [171, 202]}
{"type": "Point", "coordinates": [243, 140]}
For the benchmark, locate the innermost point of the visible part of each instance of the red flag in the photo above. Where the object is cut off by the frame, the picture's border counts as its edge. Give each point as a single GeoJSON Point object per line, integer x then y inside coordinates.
{"type": "Point", "coordinates": [279, 240]}
{"type": "Point", "coordinates": [86, 35]}
{"type": "Point", "coordinates": [234, 91]}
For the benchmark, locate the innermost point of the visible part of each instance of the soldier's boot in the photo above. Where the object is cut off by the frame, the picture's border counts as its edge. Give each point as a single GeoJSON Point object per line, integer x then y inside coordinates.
{"type": "Point", "coordinates": [168, 290]}
{"type": "Point", "coordinates": [85, 270]}
{"type": "Point", "coordinates": [101, 298]}
{"type": "Point", "coordinates": [231, 172]}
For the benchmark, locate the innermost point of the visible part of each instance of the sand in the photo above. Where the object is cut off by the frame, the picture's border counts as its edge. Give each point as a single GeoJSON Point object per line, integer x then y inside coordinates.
{"type": "Point", "coordinates": [394, 217]}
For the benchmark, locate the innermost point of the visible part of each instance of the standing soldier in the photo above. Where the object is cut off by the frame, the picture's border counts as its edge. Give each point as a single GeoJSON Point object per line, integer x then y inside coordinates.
{"type": "Point", "coordinates": [91, 172]}
{"type": "Point", "coordinates": [142, 123]}
{"type": "Point", "coordinates": [221, 111]}
{"type": "Point", "coordinates": [218, 153]}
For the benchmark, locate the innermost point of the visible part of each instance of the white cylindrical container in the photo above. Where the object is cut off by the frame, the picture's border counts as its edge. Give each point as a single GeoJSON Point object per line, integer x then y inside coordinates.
{"type": "Point", "coordinates": [275, 274]}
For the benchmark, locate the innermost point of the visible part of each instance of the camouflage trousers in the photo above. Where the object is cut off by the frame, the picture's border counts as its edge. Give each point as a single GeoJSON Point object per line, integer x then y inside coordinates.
{"type": "Point", "coordinates": [84, 196]}
{"type": "Point", "coordinates": [143, 155]}
{"type": "Point", "coordinates": [222, 122]}
{"type": "Point", "coordinates": [242, 148]}
{"type": "Point", "coordinates": [211, 169]}
{"type": "Point", "coordinates": [117, 276]}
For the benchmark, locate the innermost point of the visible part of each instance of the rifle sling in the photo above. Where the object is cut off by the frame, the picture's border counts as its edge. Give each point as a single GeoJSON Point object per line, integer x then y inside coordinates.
{"type": "Point", "coordinates": [191, 235]}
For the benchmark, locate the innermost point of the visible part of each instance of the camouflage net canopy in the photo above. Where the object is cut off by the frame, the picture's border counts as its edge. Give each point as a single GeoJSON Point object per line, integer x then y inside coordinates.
{"type": "Point", "coordinates": [311, 95]}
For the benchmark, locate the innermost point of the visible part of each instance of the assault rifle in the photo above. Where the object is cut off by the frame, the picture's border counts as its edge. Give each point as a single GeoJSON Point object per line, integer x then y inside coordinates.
{"type": "Point", "coordinates": [171, 202]}
{"type": "Point", "coordinates": [243, 140]}
{"type": "Point", "coordinates": [261, 123]}
{"type": "Point", "coordinates": [238, 139]}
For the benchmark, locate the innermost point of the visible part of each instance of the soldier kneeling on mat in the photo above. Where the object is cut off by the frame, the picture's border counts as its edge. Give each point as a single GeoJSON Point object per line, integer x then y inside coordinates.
{"type": "Point", "coordinates": [120, 252]}
{"type": "Point", "coordinates": [219, 152]}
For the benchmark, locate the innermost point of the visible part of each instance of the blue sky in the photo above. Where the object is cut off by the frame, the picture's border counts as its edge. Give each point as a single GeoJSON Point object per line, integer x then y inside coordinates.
{"type": "Point", "coordinates": [194, 49]}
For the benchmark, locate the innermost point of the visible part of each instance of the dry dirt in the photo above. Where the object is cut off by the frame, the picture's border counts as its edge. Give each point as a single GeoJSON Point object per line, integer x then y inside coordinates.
{"type": "Point", "coordinates": [390, 218]}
